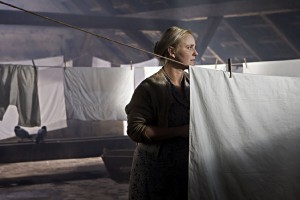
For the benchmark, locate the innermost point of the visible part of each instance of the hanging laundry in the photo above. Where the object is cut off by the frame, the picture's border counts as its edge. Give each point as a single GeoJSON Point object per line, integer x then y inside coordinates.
{"type": "Point", "coordinates": [98, 62]}
{"type": "Point", "coordinates": [244, 136]}
{"type": "Point", "coordinates": [98, 93]}
{"type": "Point", "coordinates": [52, 97]}
{"type": "Point", "coordinates": [51, 101]}
{"type": "Point", "coordinates": [19, 87]}
{"type": "Point", "coordinates": [141, 73]}
{"type": "Point", "coordinates": [274, 68]}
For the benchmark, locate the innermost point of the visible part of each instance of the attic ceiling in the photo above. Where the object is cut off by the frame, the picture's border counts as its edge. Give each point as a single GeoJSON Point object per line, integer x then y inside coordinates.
{"type": "Point", "coordinates": [255, 30]}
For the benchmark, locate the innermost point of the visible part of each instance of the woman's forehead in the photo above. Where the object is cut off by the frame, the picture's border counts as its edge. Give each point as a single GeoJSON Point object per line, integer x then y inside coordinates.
{"type": "Point", "coordinates": [187, 39]}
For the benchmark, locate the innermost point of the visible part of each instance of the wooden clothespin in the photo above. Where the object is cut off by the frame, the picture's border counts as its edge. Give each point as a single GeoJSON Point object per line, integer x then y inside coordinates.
{"type": "Point", "coordinates": [229, 68]}
{"type": "Point", "coordinates": [33, 63]}
{"type": "Point", "coordinates": [245, 62]}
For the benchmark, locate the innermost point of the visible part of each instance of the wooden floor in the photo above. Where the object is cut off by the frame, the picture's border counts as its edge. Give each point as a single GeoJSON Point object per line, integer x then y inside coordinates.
{"type": "Point", "coordinates": [69, 179]}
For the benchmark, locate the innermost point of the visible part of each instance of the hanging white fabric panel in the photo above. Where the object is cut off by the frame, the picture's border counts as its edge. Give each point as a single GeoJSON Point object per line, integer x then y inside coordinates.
{"type": "Point", "coordinates": [216, 66]}
{"type": "Point", "coordinates": [51, 100]}
{"type": "Point", "coordinates": [143, 69]}
{"type": "Point", "coordinates": [69, 63]}
{"type": "Point", "coordinates": [98, 93]}
{"type": "Point", "coordinates": [141, 73]}
{"type": "Point", "coordinates": [8, 123]}
{"type": "Point", "coordinates": [97, 62]}
{"type": "Point", "coordinates": [49, 61]}
{"type": "Point", "coordinates": [147, 63]}
{"type": "Point", "coordinates": [275, 68]}
{"type": "Point", "coordinates": [244, 136]}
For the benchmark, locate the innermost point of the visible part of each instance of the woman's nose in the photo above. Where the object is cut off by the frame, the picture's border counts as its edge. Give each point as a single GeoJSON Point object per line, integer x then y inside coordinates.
{"type": "Point", "coordinates": [196, 52]}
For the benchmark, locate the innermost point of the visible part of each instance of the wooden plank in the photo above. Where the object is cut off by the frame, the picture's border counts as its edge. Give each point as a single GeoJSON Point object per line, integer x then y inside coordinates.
{"type": "Point", "coordinates": [62, 149]}
{"type": "Point", "coordinates": [85, 21]}
{"type": "Point", "coordinates": [225, 9]}
{"type": "Point", "coordinates": [207, 35]}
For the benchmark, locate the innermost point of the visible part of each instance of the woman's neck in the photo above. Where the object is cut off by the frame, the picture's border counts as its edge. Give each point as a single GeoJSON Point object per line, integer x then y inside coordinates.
{"type": "Point", "coordinates": [174, 74]}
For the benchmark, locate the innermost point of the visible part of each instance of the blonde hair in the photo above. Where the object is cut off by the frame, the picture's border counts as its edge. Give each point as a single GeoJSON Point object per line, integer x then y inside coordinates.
{"type": "Point", "coordinates": [171, 37]}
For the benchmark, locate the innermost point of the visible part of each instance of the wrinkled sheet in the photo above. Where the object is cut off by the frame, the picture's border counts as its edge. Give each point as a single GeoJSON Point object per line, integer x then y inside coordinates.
{"type": "Point", "coordinates": [244, 136]}
{"type": "Point", "coordinates": [289, 68]}
{"type": "Point", "coordinates": [98, 93]}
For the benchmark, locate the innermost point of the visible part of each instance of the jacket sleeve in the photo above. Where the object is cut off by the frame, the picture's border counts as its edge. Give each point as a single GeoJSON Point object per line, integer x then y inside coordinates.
{"type": "Point", "coordinates": [139, 114]}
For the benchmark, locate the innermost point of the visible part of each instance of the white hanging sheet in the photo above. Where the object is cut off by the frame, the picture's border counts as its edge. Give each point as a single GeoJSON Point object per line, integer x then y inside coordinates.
{"type": "Point", "coordinates": [244, 136]}
{"type": "Point", "coordinates": [9, 121]}
{"type": "Point", "coordinates": [49, 61]}
{"type": "Point", "coordinates": [98, 93]}
{"type": "Point", "coordinates": [143, 69]}
{"type": "Point", "coordinates": [275, 68]}
{"type": "Point", "coordinates": [216, 66]}
{"type": "Point", "coordinates": [147, 63]}
{"type": "Point", "coordinates": [97, 62]}
{"type": "Point", "coordinates": [51, 100]}
{"type": "Point", "coordinates": [141, 73]}
{"type": "Point", "coordinates": [69, 63]}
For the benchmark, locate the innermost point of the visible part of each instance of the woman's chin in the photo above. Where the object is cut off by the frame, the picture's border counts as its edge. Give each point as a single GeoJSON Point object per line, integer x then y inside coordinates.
{"type": "Point", "coordinates": [192, 63]}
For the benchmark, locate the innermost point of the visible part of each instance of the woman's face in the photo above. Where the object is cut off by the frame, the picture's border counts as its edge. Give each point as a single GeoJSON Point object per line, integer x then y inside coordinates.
{"type": "Point", "coordinates": [185, 51]}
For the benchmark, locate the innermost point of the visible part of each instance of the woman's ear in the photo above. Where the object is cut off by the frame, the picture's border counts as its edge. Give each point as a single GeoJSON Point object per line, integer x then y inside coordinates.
{"type": "Point", "coordinates": [171, 51]}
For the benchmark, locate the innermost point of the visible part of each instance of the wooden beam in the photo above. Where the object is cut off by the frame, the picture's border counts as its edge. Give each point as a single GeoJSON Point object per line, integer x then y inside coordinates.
{"type": "Point", "coordinates": [280, 34]}
{"type": "Point", "coordinates": [54, 149]}
{"type": "Point", "coordinates": [218, 58]}
{"type": "Point", "coordinates": [141, 40]}
{"type": "Point", "coordinates": [241, 40]}
{"type": "Point", "coordinates": [224, 9]}
{"type": "Point", "coordinates": [85, 21]}
{"type": "Point", "coordinates": [207, 35]}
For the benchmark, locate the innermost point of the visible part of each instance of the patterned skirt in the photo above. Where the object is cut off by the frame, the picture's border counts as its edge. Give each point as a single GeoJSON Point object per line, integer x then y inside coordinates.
{"type": "Point", "coordinates": [160, 177]}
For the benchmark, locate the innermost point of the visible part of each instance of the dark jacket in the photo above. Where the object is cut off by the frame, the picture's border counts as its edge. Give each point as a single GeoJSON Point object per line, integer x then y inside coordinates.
{"type": "Point", "coordinates": [149, 105]}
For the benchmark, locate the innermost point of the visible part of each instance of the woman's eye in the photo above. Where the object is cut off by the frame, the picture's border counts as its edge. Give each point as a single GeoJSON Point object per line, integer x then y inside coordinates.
{"type": "Point", "coordinates": [190, 47]}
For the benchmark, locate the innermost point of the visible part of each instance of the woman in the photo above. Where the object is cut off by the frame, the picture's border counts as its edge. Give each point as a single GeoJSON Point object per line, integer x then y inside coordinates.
{"type": "Point", "coordinates": [158, 120]}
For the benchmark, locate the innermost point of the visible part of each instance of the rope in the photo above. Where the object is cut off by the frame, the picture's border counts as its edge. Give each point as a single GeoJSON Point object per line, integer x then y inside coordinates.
{"type": "Point", "coordinates": [88, 32]}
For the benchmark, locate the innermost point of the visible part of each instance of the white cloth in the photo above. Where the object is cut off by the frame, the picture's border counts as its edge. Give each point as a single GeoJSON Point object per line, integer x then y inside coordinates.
{"type": "Point", "coordinates": [98, 93]}
{"type": "Point", "coordinates": [275, 68]}
{"type": "Point", "coordinates": [52, 104]}
{"type": "Point", "coordinates": [222, 67]}
{"type": "Point", "coordinates": [143, 69]}
{"type": "Point", "coordinates": [50, 61]}
{"type": "Point", "coordinates": [52, 98]}
{"type": "Point", "coordinates": [8, 123]}
{"type": "Point", "coordinates": [69, 63]}
{"type": "Point", "coordinates": [147, 63]}
{"type": "Point", "coordinates": [244, 136]}
{"type": "Point", "coordinates": [97, 62]}
{"type": "Point", "coordinates": [141, 73]}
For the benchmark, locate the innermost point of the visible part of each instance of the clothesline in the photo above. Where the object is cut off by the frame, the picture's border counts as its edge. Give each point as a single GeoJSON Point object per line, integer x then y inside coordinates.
{"type": "Point", "coordinates": [100, 36]}
{"type": "Point", "coordinates": [88, 32]}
